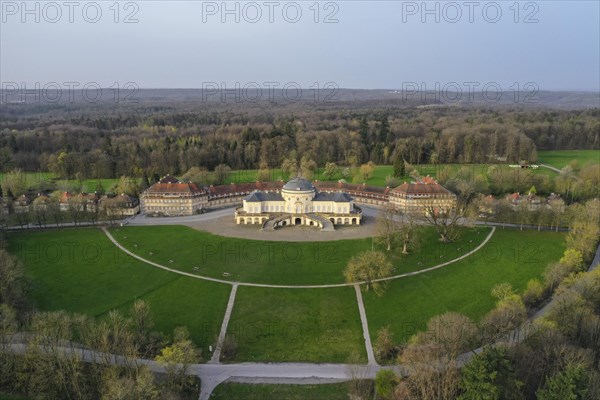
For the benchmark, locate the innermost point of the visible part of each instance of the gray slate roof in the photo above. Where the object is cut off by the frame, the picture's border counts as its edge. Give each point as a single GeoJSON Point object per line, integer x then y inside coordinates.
{"type": "Point", "coordinates": [338, 197]}
{"type": "Point", "coordinates": [257, 196]}
{"type": "Point", "coordinates": [299, 184]}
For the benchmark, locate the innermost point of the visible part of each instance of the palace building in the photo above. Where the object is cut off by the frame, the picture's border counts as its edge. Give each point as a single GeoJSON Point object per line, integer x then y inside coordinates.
{"type": "Point", "coordinates": [298, 202]}
{"type": "Point", "coordinates": [171, 197]}
{"type": "Point", "coordinates": [422, 196]}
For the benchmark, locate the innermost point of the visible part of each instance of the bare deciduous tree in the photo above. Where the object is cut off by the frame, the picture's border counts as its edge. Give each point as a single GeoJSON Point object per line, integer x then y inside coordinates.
{"type": "Point", "coordinates": [446, 222]}
{"type": "Point", "coordinates": [387, 227]}
{"type": "Point", "coordinates": [430, 358]}
{"type": "Point", "coordinates": [369, 267]}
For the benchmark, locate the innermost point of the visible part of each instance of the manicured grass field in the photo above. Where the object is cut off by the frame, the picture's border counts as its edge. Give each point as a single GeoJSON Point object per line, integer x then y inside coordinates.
{"type": "Point", "coordinates": [80, 270]}
{"type": "Point", "coordinates": [560, 158]}
{"type": "Point", "coordinates": [241, 391]}
{"type": "Point", "coordinates": [317, 325]}
{"type": "Point", "coordinates": [511, 256]}
{"type": "Point", "coordinates": [283, 263]}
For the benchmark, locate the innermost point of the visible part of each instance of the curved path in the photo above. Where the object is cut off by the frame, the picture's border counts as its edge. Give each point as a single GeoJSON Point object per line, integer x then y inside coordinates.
{"type": "Point", "coordinates": [558, 171]}
{"type": "Point", "coordinates": [220, 222]}
{"type": "Point", "coordinates": [550, 167]}
{"type": "Point", "coordinates": [265, 285]}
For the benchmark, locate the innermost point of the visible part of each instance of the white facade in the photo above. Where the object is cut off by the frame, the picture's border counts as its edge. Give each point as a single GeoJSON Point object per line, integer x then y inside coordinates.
{"type": "Point", "coordinates": [298, 202]}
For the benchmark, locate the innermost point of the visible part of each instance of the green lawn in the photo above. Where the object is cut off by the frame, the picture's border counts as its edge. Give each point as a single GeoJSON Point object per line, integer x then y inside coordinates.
{"type": "Point", "coordinates": [511, 256]}
{"type": "Point", "coordinates": [241, 391]}
{"type": "Point", "coordinates": [283, 263]}
{"type": "Point", "coordinates": [488, 172]}
{"type": "Point", "coordinates": [89, 185]}
{"type": "Point", "coordinates": [560, 158]}
{"type": "Point", "coordinates": [80, 270]}
{"type": "Point", "coordinates": [318, 325]}
{"type": "Point", "coordinates": [197, 304]}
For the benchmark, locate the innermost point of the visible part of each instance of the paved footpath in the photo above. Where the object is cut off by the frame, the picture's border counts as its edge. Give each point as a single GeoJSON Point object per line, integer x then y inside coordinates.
{"type": "Point", "coordinates": [211, 375]}
{"type": "Point", "coordinates": [216, 357]}
{"type": "Point", "coordinates": [264, 285]}
{"type": "Point", "coordinates": [365, 326]}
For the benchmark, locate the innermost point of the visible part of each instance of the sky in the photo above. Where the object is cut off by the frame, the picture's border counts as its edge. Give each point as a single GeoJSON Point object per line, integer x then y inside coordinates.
{"type": "Point", "coordinates": [554, 45]}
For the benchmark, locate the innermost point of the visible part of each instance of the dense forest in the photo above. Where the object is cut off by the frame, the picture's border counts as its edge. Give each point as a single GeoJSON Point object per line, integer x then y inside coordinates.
{"type": "Point", "coordinates": [111, 140]}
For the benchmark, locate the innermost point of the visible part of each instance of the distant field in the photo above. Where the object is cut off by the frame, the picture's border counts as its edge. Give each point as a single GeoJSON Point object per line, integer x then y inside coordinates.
{"type": "Point", "coordinates": [31, 178]}
{"type": "Point", "coordinates": [560, 158]}
{"type": "Point", "coordinates": [283, 263]}
{"type": "Point", "coordinates": [511, 256]}
{"type": "Point", "coordinates": [489, 172]}
{"type": "Point", "coordinates": [80, 270]}
{"type": "Point", "coordinates": [88, 185]}
{"type": "Point", "coordinates": [555, 158]}
{"type": "Point", "coordinates": [241, 391]}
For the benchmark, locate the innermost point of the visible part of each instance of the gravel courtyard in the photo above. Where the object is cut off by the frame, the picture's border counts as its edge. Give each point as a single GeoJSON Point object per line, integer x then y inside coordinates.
{"type": "Point", "coordinates": [226, 226]}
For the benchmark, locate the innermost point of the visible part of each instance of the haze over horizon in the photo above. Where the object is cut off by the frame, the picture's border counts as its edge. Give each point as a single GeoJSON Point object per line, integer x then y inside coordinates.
{"type": "Point", "coordinates": [353, 44]}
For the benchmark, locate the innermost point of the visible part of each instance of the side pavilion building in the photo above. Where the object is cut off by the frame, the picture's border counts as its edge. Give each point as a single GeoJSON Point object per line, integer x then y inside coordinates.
{"type": "Point", "coordinates": [422, 196]}
{"type": "Point", "coordinates": [171, 197]}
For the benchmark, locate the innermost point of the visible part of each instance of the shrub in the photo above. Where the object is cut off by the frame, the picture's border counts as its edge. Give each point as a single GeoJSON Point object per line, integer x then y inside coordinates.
{"type": "Point", "coordinates": [533, 294]}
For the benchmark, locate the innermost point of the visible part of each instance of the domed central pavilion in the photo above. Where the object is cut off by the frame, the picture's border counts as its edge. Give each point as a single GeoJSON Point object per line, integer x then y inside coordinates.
{"type": "Point", "coordinates": [298, 203]}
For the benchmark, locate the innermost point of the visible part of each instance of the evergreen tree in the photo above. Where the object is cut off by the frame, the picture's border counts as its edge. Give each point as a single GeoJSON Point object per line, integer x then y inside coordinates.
{"type": "Point", "coordinates": [364, 130]}
{"type": "Point", "coordinates": [145, 182]}
{"type": "Point", "coordinates": [569, 384]}
{"type": "Point", "coordinates": [107, 146]}
{"type": "Point", "coordinates": [99, 187]}
{"type": "Point", "coordinates": [490, 376]}
{"type": "Point", "coordinates": [384, 130]}
{"type": "Point", "coordinates": [385, 382]}
{"type": "Point", "coordinates": [399, 169]}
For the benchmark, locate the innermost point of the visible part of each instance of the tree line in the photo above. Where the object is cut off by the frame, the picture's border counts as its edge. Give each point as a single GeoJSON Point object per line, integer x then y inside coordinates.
{"type": "Point", "coordinates": [108, 142]}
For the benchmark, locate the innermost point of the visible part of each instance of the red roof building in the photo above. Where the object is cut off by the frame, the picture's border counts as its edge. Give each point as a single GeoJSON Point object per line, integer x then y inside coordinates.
{"type": "Point", "coordinates": [172, 197]}
{"type": "Point", "coordinates": [422, 196]}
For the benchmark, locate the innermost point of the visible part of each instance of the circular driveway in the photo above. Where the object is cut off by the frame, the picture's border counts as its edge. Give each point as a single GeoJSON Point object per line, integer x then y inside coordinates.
{"type": "Point", "coordinates": [220, 222]}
